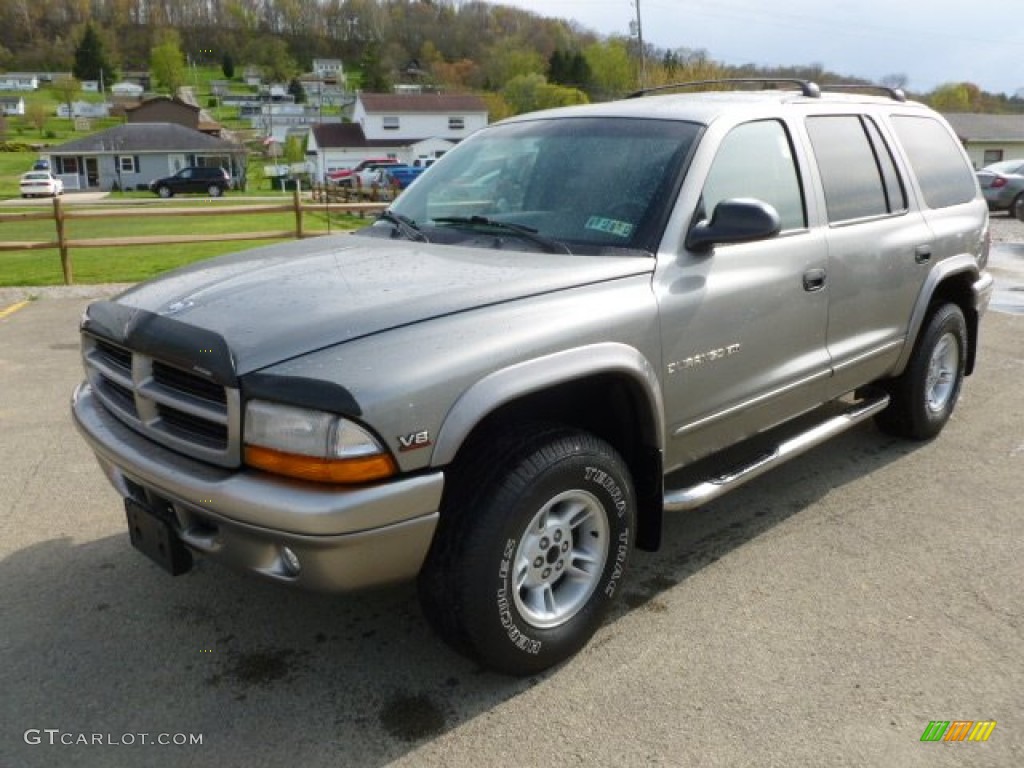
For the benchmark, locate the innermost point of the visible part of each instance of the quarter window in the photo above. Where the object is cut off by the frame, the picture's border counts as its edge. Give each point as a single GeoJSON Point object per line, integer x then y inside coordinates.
{"type": "Point", "coordinates": [756, 160]}
{"type": "Point", "coordinates": [857, 170]}
{"type": "Point", "coordinates": [938, 161]}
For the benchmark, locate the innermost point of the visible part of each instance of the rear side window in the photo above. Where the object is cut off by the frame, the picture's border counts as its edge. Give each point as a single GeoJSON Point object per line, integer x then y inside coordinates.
{"type": "Point", "coordinates": [938, 162]}
{"type": "Point", "coordinates": [857, 170]}
{"type": "Point", "coordinates": [756, 160]}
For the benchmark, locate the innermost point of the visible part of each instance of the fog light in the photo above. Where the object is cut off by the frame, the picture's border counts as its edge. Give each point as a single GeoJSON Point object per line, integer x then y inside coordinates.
{"type": "Point", "coordinates": [290, 561]}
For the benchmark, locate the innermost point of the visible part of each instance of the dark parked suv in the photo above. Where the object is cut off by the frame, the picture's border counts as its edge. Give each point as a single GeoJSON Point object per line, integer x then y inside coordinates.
{"type": "Point", "coordinates": [212, 180]}
{"type": "Point", "coordinates": [501, 388]}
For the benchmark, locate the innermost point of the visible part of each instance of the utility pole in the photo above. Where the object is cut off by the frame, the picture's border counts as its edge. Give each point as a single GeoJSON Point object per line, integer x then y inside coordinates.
{"type": "Point", "coordinates": [640, 42]}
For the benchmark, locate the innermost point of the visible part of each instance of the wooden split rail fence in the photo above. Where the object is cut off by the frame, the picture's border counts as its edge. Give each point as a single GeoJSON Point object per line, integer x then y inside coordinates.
{"type": "Point", "coordinates": [61, 214]}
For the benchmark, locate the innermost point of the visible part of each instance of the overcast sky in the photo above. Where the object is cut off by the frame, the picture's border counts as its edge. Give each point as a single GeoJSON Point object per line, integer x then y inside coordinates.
{"type": "Point", "coordinates": [931, 42]}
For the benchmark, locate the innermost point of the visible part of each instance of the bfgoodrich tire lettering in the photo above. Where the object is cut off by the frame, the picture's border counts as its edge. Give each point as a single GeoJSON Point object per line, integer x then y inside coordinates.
{"type": "Point", "coordinates": [533, 546]}
{"type": "Point", "coordinates": [923, 398]}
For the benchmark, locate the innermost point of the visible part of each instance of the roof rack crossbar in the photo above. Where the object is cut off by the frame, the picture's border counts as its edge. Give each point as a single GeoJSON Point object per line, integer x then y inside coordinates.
{"type": "Point", "coordinates": [896, 94]}
{"type": "Point", "coordinates": [807, 88]}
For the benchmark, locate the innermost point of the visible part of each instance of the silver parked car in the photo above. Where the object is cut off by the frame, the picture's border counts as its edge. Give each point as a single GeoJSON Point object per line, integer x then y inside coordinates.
{"type": "Point", "coordinates": [1003, 186]}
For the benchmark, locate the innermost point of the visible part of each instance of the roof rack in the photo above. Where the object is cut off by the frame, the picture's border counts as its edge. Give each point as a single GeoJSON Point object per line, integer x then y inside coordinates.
{"type": "Point", "coordinates": [807, 88]}
{"type": "Point", "coordinates": [896, 94]}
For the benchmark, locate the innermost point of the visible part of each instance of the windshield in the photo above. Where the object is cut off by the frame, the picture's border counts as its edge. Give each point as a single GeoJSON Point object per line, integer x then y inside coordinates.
{"type": "Point", "coordinates": [587, 184]}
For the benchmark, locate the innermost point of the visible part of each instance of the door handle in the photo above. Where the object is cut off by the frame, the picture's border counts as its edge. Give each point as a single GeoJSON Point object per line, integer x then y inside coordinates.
{"type": "Point", "coordinates": [814, 280]}
{"type": "Point", "coordinates": [923, 254]}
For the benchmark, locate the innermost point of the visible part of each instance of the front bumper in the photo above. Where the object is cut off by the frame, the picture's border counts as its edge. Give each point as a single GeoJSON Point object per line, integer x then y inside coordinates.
{"type": "Point", "coordinates": [344, 538]}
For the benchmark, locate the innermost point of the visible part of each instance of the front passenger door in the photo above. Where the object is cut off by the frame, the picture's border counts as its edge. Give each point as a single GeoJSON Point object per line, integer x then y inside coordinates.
{"type": "Point", "coordinates": [743, 326]}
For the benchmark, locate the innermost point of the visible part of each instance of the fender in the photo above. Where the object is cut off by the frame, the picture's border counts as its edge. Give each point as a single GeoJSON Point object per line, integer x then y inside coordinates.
{"type": "Point", "coordinates": [956, 265]}
{"type": "Point", "coordinates": [507, 384]}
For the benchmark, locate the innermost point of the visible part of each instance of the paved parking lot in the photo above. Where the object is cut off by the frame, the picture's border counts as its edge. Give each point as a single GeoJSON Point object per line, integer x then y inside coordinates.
{"type": "Point", "coordinates": [821, 616]}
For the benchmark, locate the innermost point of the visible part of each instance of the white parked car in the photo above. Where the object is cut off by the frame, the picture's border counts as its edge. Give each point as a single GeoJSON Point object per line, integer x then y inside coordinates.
{"type": "Point", "coordinates": [41, 184]}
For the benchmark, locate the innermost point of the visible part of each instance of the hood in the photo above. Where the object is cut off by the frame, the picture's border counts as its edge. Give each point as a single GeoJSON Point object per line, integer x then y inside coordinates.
{"type": "Point", "coordinates": [282, 301]}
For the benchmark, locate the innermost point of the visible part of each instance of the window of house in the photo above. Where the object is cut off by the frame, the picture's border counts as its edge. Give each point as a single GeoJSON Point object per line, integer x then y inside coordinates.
{"type": "Point", "coordinates": [127, 164]}
{"type": "Point", "coordinates": [456, 123]}
{"type": "Point", "coordinates": [992, 156]}
{"type": "Point", "coordinates": [756, 160]}
{"type": "Point", "coordinates": [390, 123]}
{"type": "Point", "coordinates": [67, 165]}
{"type": "Point", "coordinates": [857, 170]}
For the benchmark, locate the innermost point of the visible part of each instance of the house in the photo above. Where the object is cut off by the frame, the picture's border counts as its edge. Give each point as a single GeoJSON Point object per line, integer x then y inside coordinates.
{"type": "Point", "coordinates": [19, 81]}
{"type": "Point", "coordinates": [12, 105]}
{"type": "Point", "coordinates": [127, 90]}
{"type": "Point", "coordinates": [84, 109]}
{"type": "Point", "coordinates": [91, 86]}
{"type": "Point", "coordinates": [330, 70]}
{"type": "Point", "coordinates": [131, 155]}
{"type": "Point", "coordinates": [253, 76]}
{"type": "Point", "coordinates": [406, 127]}
{"type": "Point", "coordinates": [989, 138]}
{"type": "Point", "coordinates": [165, 109]}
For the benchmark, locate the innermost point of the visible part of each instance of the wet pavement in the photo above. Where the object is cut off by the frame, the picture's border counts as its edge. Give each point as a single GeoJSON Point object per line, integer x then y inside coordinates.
{"type": "Point", "coordinates": [1006, 263]}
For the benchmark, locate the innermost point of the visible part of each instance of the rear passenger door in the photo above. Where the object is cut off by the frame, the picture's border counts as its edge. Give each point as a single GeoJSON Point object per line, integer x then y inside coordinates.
{"type": "Point", "coordinates": [879, 247]}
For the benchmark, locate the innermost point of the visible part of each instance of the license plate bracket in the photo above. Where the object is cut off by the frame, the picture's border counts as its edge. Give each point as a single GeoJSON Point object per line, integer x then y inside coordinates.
{"type": "Point", "coordinates": [156, 539]}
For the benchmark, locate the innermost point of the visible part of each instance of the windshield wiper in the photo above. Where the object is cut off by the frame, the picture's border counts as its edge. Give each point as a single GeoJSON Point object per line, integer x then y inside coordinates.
{"type": "Point", "coordinates": [406, 226]}
{"type": "Point", "coordinates": [526, 233]}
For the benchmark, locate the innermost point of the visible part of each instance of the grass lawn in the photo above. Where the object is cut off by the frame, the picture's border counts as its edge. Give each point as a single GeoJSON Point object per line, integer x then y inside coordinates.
{"type": "Point", "coordinates": [133, 263]}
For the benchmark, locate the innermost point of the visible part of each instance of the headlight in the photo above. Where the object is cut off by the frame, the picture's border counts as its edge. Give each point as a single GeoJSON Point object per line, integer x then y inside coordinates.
{"type": "Point", "coordinates": [312, 445]}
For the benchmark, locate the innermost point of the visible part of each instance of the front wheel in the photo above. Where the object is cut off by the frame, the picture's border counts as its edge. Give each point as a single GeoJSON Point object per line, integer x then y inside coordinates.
{"type": "Point", "coordinates": [215, 191]}
{"type": "Point", "coordinates": [535, 534]}
{"type": "Point", "coordinates": [923, 398]}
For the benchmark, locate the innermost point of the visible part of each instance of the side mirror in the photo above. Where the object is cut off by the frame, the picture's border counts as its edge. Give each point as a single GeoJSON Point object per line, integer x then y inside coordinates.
{"type": "Point", "coordinates": [736, 220]}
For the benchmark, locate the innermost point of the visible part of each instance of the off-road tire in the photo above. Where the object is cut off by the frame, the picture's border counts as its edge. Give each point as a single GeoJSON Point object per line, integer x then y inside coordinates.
{"type": "Point", "coordinates": [549, 508]}
{"type": "Point", "coordinates": [923, 398]}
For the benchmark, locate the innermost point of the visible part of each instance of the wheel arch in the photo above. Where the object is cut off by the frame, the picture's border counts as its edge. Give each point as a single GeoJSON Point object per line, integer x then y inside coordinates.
{"type": "Point", "coordinates": [608, 389]}
{"type": "Point", "coordinates": [953, 282]}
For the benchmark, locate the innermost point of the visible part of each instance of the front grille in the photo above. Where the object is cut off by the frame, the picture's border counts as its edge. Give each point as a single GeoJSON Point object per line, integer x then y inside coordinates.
{"type": "Point", "coordinates": [177, 408]}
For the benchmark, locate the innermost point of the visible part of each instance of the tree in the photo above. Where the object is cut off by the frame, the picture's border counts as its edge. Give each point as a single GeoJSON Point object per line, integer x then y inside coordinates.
{"type": "Point", "coordinates": [526, 93]}
{"type": "Point", "coordinates": [277, 62]}
{"type": "Point", "coordinates": [295, 89]}
{"type": "Point", "coordinates": [227, 66]}
{"type": "Point", "coordinates": [37, 113]}
{"type": "Point", "coordinates": [374, 79]}
{"type": "Point", "coordinates": [91, 59]}
{"type": "Point", "coordinates": [67, 89]}
{"type": "Point", "coordinates": [611, 68]}
{"type": "Point", "coordinates": [167, 62]}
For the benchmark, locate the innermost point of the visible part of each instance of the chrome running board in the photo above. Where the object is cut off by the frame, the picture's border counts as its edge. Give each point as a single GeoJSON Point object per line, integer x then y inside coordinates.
{"type": "Point", "coordinates": [694, 496]}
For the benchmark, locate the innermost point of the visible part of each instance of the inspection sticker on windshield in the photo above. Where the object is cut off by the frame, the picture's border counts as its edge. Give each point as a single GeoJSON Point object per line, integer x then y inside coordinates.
{"type": "Point", "coordinates": [611, 226]}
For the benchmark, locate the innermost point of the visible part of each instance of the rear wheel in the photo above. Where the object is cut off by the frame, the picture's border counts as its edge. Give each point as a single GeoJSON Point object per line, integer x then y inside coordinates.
{"type": "Point", "coordinates": [535, 534]}
{"type": "Point", "coordinates": [923, 398]}
{"type": "Point", "coordinates": [164, 192]}
{"type": "Point", "coordinates": [1017, 208]}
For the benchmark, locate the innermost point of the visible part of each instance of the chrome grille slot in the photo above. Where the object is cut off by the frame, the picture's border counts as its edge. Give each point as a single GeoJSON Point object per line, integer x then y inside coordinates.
{"type": "Point", "coordinates": [172, 406]}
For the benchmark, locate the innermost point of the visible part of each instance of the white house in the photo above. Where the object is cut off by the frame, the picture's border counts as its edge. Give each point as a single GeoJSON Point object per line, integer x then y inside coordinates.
{"type": "Point", "coordinates": [329, 69]}
{"type": "Point", "coordinates": [989, 138]}
{"type": "Point", "coordinates": [419, 115]}
{"type": "Point", "coordinates": [19, 81]}
{"type": "Point", "coordinates": [127, 89]}
{"type": "Point", "coordinates": [12, 105]}
{"type": "Point", "coordinates": [84, 109]}
{"type": "Point", "coordinates": [404, 127]}
{"type": "Point", "coordinates": [91, 86]}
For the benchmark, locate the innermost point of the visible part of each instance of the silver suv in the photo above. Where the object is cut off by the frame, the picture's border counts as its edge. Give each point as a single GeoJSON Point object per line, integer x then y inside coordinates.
{"type": "Point", "coordinates": [572, 323]}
